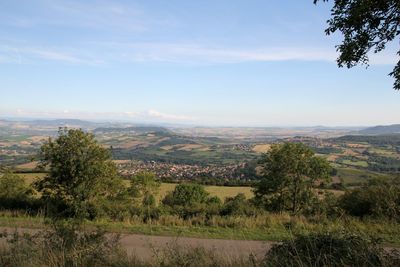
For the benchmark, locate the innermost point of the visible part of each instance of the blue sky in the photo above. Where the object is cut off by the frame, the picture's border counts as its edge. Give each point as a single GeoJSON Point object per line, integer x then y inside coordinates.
{"type": "Point", "coordinates": [234, 62]}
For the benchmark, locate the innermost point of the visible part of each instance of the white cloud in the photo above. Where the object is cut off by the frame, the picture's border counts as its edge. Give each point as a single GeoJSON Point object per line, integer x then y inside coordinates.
{"type": "Point", "coordinates": [198, 53]}
{"type": "Point", "coordinates": [156, 114]}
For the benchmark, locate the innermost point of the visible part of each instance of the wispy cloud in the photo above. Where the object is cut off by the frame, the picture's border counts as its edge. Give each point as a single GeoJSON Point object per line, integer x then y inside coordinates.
{"type": "Point", "coordinates": [109, 53]}
{"type": "Point", "coordinates": [138, 35]}
{"type": "Point", "coordinates": [197, 53]}
{"type": "Point", "coordinates": [87, 15]}
{"type": "Point", "coordinates": [159, 52]}
{"type": "Point", "coordinates": [30, 55]}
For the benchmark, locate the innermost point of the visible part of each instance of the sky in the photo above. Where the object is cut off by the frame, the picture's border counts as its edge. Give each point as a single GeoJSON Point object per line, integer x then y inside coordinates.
{"type": "Point", "coordinates": [208, 62]}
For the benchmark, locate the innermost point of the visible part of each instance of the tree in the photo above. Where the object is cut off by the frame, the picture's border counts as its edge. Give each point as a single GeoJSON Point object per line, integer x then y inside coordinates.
{"type": "Point", "coordinates": [188, 200]}
{"type": "Point", "coordinates": [186, 195]}
{"type": "Point", "coordinates": [289, 171]}
{"type": "Point", "coordinates": [144, 186]}
{"type": "Point", "coordinates": [81, 175]}
{"type": "Point", "coordinates": [366, 25]}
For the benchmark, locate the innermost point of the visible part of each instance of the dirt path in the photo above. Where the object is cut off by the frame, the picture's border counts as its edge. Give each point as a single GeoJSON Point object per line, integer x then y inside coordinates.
{"type": "Point", "coordinates": [144, 246]}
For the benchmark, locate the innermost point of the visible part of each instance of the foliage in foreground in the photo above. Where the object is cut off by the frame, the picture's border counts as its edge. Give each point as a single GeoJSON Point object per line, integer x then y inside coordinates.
{"type": "Point", "coordinates": [59, 247]}
{"type": "Point", "coordinates": [330, 249]}
{"type": "Point", "coordinates": [366, 26]}
{"type": "Point", "coordinates": [93, 249]}
{"type": "Point", "coordinates": [53, 248]}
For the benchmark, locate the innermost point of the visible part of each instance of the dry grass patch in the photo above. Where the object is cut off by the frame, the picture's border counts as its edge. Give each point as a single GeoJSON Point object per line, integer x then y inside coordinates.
{"type": "Point", "coordinates": [121, 161]}
{"type": "Point", "coordinates": [261, 148]}
{"type": "Point", "coordinates": [27, 166]}
{"type": "Point", "coordinates": [354, 145]}
{"type": "Point", "coordinates": [190, 147]}
{"type": "Point", "coordinates": [130, 144]}
{"type": "Point", "coordinates": [38, 138]}
{"type": "Point", "coordinates": [31, 177]}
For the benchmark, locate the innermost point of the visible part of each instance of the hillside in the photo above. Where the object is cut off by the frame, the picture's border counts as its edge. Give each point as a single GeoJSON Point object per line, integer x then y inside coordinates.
{"type": "Point", "coordinates": [377, 130]}
{"type": "Point", "coordinates": [131, 130]}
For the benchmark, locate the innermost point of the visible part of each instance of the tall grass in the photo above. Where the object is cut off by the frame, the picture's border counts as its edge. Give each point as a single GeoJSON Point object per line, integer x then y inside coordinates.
{"type": "Point", "coordinates": [272, 227]}
{"type": "Point", "coordinates": [94, 250]}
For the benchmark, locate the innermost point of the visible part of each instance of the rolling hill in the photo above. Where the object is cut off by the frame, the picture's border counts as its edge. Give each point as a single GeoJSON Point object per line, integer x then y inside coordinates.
{"type": "Point", "coordinates": [381, 129]}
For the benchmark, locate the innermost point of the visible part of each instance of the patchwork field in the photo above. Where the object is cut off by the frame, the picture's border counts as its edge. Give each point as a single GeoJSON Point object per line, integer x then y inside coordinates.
{"type": "Point", "coordinates": [220, 154]}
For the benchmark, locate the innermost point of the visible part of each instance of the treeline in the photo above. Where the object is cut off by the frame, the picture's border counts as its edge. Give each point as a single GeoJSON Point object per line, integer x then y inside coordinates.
{"type": "Point", "coordinates": [383, 164]}
{"type": "Point", "coordinates": [379, 199]}
{"type": "Point", "coordinates": [378, 140]}
{"type": "Point", "coordinates": [376, 162]}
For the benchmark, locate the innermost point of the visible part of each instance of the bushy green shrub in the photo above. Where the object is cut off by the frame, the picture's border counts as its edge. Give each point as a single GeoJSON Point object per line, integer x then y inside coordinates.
{"type": "Point", "coordinates": [189, 200]}
{"type": "Point", "coordinates": [238, 205]}
{"type": "Point", "coordinates": [330, 249]}
{"type": "Point", "coordinates": [380, 198]}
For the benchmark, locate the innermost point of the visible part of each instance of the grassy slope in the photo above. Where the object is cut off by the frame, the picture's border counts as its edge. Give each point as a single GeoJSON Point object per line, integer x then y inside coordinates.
{"type": "Point", "coordinates": [352, 176]}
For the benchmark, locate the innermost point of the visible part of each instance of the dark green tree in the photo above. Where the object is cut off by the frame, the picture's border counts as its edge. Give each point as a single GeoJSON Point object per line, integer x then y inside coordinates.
{"type": "Point", "coordinates": [81, 182]}
{"type": "Point", "coordinates": [366, 25]}
{"type": "Point", "coordinates": [81, 176]}
{"type": "Point", "coordinates": [289, 172]}
{"type": "Point", "coordinates": [186, 195]}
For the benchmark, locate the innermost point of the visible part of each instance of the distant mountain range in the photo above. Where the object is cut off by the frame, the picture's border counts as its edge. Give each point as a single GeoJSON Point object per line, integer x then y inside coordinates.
{"type": "Point", "coordinates": [50, 127]}
{"type": "Point", "coordinates": [51, 122]}
{"type": "Point", "coordinates": [377, 130]}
